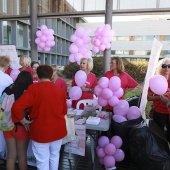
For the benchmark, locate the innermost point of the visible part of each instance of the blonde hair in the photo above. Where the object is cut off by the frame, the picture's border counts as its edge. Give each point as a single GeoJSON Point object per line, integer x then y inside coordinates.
{"type": "Point", "coordinates": [119, 63]}
{"type": "Point", "coordinates": [89, 63]}
{"type": "Point", "coordinates": [54, 67]}
{"type": "Point", "coordinates": [159, 65]}
{"type": "Point", "coordinates": [4, 61]}
{"type": "Point", "coordinates": [26, 60]}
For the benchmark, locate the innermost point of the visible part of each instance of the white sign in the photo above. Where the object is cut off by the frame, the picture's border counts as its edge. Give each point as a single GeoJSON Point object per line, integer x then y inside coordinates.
{"type": "Point", "coordinates": [155, 53]}
{"type": "Point", "coordinates": [10, 51]}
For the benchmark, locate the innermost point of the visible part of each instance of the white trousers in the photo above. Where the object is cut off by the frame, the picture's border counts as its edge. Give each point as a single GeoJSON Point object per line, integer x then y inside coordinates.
{"type": "Point", "coordinates": [47, 154]}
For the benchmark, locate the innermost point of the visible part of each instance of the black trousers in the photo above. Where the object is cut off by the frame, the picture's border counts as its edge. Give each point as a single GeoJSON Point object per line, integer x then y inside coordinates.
{"type": "Point", "coordinates": [162, 120]}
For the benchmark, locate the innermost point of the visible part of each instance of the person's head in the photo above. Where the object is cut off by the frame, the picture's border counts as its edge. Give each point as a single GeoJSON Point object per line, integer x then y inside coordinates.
{"type": "Point", "coordinates": [163, 67]}
{"type": "Point", "coordinates": [86, 64]}
{"type": "Point", "coordinates": [22, 82]}
{"type": "Point", "coordinates": [55, 70]}
{"type": "Point", "coordinates": [34, 65]}
{"type": "Point", "coordinates": [116, 63]}
{"type": "Point", "coordinates": [44, 72]}
{"type": "Point", "coordinates": [25, 60]}
{"type": "Point", "coordinates": [4, 63]}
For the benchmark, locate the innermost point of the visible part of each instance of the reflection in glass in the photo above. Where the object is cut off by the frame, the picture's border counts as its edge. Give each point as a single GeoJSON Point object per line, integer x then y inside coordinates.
{"type": "Point", "coordinates": [20, 30]}
{"type": "Point", "coordinates": [7, 39]}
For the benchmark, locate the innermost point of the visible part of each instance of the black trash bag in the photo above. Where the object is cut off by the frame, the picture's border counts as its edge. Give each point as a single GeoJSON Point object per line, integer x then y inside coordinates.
{"type": "Point", "coordinates": [134, 100]}
{"type": "Point", "coordinates": [149, 147]}
{"type": "Point", "coordinates": [123, 130]}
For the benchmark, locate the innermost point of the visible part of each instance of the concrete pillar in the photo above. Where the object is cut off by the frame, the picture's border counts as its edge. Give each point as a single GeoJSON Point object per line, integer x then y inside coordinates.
{"type": "Point", "coordinates": [33, 26]}
{"type": "Point", "coordinates": [108, 20]}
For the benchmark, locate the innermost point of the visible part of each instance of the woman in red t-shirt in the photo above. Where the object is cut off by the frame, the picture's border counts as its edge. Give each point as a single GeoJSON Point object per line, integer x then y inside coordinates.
{"type": "Point", "coordinates": [161, 112]}
{"type": "Point", "coordinates": [58, 80]}
{"type": "Point", "coordinates": [86, 65]}
{"type": "Point", "coordinates": [25, 62]}
{"type": "Point", "coordinates": [117, 69]}
{"type": "Point", "coordinates": [34, 65]}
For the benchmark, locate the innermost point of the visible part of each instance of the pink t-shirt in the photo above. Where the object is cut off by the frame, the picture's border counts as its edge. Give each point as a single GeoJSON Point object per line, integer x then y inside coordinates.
{"type": "Point", "coordinates": [126, 82]}
{"type": "Point", "coordinates": [61, 83]}
{"type": "Point", "coordinates": [91, 82]}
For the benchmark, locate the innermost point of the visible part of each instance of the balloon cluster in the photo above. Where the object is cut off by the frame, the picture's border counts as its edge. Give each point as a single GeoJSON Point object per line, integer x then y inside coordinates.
{"type": "Point", "coordinates": [109, 91]}
{"type": "Point", "coordinates": [158, 84]}
{"type": "Point", "coordinates": [45, 38]}
{"type": "Point", "coordinates": [75, 92]}
{"type": "Point", "coordinates": [109, 152]}
{"type": "Point", "coordinates": [122, 112]}
{"type": "Point", "coordinates": [103, 38]}
{"type": "Point", "coordinates": [79, 47]}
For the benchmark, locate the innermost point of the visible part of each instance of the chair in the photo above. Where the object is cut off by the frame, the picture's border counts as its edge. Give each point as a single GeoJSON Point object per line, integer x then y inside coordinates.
{"type": "Point", "coordinates": [92, 135]}
{"type": "Point", "coordinates": [88, 102]}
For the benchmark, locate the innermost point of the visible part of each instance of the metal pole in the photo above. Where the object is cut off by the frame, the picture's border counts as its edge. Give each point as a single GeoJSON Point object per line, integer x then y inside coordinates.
{"type": "Point", "coordinates": [33, 28]}
{"type": "Point", "coordinates": [108, 20]}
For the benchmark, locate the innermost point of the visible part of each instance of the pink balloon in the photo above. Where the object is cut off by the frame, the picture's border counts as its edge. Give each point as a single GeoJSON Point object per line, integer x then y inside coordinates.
{"type": "Point", "coordinates": [95, 49]}
{"type": "Point", "coordinates": [102, 47]}
{"type": "Point", "coordinates": [104, 40]}
{"type": "Point", "coordinates": [133, 113]}
{"type": "Point", "coordinates": [73, 49]}
{"type": "Point", "coordinates": [78, 57]}
{"type": "Point", "coordinates": [71, 58]}
{"type": "Point", "coordinates": [113, 101]}
{"type": "Point", "coordinates": [158, 84]}
{"type": "Point", "coordinates": [103, 141]}
{"type": "Point", "coordinates": [101, 161]}
{"type": "Point", "coordinates": [117, 141]}
{"type": "Point", "coordinates": [97, 42]}
{"type": "Point", "coordinates": [69, 103]}
{"type": "Point", "coordinates": [102, 102]}
{"type": "Point", "coordinates": [14, 74]}
{"type": "Point", "coordinates": [118, 93]}
{"type": "Point", "coordinates": [79, 32]}
{"type": "Point", "coordinates": [103, 82]}
{"type": "Point", "coordinates": [100, 153]}
{"type": "Point", "coordinates": [119, 118]}
{"type": "Point", "coordinates": [87, 32]}
{"type": "Point", "coordinates": [51, 31]}
{"type": "Point", "coordinates": [47, 49]}
{"type": "Point", "coordinates": [50, 37]}
{"type": "Point", "coordinates": [97, 90]}
{"type": "Point", "coordinates": [73, 38]}
{"type": "Point", "coordinates": [43, 38]}
{"type": "Point", "coordinates": [86, 40]}
{"type": "Point", "coordinates": [42, 45]}
{"type": "Point", "coordinates": [78, 42]}
{"type": "Point", "coordinates": [107, 27]}
{"type": "Point", "coordinates": [88, 54]}
{"type": "Point", "coordinates": [122, 108]}
{"type": "Point", "coordinates": [80, 78]}
{"type": "Point", "coordinates": [37, 40]}
{"type": "Point", "coordinates": [114, 83]}
{"type": "Point", "coordinates": [52, 43]}
{"type": "Point", "coordinates": [110, 149]}
{"type": "Point", "coordinates": [48, 43]}
{"type": "Point", "coordinates": [38, 33]}
{"type": "Point", "coordinates": [83, 49]}
{"type": "Point", "coordinates": [109, 161]}
{"type": "Point", "coordinates": [75, 93]}
{"type": "Point", "coordinates": [106, 93]}
{"type": "Point", "coordinates": [45, 32]}
{"type": "Point", "coordinates": [119, 155]}
{"type": "Point", "coordinates": [108, 45]}
{"type": "Point", "coordinates": [43, 27]}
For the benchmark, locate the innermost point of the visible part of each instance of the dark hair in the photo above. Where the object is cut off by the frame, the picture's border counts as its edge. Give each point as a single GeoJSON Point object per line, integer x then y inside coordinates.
{"type": "Point", "coordinates": [22, 82]}
{"type": "Point", "coordinates": [34, 62]}
{"type": "Point", "coordinates": [44, 71]}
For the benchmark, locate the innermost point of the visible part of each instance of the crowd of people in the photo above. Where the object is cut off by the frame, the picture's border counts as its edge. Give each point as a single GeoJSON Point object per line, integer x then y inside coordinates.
{"type": "Point", "coordinates": [40, 106]}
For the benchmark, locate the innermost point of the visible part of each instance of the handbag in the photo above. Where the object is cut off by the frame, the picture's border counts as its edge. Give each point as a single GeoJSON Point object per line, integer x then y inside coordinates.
{"type": "Point", "coordinates": [70, 130]}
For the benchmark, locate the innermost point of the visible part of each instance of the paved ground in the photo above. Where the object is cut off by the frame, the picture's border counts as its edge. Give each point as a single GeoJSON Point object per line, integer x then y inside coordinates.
{"type": "Point", "coordinates": [83, 162]}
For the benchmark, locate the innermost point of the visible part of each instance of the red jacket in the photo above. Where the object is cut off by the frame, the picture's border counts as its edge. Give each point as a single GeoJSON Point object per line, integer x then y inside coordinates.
{"type": "Point", "coordinates": [47, 107]}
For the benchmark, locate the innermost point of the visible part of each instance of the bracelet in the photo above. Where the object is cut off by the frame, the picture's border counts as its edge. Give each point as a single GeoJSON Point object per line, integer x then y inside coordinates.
{"type": "Point", "coordinates": [168, 104]}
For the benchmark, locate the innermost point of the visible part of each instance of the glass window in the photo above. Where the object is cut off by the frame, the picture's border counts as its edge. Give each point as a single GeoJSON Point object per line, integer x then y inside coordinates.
{"type": "Point", "coordinates": [167, 37]}
{"type": "Point", "coordinates": [20, 33]}
{"type": "Point", "coordinates": [122, 38]}
{"type": "Point", "coordinates": [121, 52]}
{"type": "Point", "coordinates": [7, 39]}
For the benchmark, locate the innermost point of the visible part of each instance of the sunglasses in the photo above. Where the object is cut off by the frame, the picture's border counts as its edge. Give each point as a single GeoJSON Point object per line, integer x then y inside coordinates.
{"type": "Point", "coordinates": [165, 66]}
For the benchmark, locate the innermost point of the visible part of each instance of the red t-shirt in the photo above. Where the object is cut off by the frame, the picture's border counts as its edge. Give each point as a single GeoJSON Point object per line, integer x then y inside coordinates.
{"type": "Point", "coordinates": [8, 71]}
{"type": "Point", "coordinates": [29, 69]}
{"type": "Point", "coordinates": [35, 79]}
{"type": "Point", "coordinates": [61, 83]}
{"type": "Point", "coordinates": [47, 107]}
{"type": "Point", "coordinates": [158, 105]}
{"type": "Point", "coordinates": [91, 82]}
{"type": "Point", "coordinates": [126, 82]}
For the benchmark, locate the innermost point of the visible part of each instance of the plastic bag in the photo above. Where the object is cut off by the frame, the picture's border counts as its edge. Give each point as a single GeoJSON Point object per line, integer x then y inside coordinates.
{"type": "Point", "coordinates": [149, 147]}
{"type": "Point", "coordinates": [134, 100]}
{"type": "Point", "coordinates": [123, 130]}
